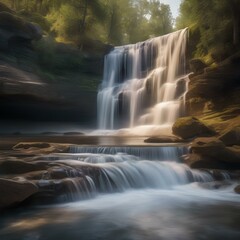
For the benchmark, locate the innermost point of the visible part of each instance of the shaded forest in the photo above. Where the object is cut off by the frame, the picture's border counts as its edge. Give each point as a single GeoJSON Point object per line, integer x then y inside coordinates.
{"type": "Point", "coordinates": [214, 24]}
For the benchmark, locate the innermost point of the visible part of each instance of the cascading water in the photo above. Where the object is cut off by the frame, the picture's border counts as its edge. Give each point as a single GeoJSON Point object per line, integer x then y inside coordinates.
{"type": "Point", "coordinates": [144, 83]}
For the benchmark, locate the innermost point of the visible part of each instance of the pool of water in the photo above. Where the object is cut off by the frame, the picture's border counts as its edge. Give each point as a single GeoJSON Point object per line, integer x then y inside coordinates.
{"type": "Point", "coordinates": [184, 212]}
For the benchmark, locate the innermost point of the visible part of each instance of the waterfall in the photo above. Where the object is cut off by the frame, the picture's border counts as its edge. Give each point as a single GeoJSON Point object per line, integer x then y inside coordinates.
{"type": "Point", "coordinates": [149, 153]}
{"type": "Point", "coordinates": [144, 83]}
{"type": "Point", "coordinates": [128, 173]}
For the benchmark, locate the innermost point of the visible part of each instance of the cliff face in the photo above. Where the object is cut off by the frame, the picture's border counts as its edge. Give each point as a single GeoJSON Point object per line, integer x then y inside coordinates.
{"type": "Point", "coordinates": [43, 80]}
{"type": "Point", "coordinates": [214, 94]}
{"type": "Point", "coordinates": [213, 103]}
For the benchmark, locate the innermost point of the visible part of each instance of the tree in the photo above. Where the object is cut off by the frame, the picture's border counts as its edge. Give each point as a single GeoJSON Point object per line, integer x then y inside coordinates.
{"type": "Point", "coordinates": [216, 22]}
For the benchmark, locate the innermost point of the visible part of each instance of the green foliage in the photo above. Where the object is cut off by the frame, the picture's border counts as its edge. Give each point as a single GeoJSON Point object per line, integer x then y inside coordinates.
{"type": "Point", "coordinates": [215, 22]}
{"type": "Point", "coordinates": [109, 21]}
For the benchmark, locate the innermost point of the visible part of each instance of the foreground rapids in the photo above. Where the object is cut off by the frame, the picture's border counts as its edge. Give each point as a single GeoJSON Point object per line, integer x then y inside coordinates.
{"type": "Point", "coordinates": [90, 171]}
{"type": "Point", "coordinates": [122, 193]}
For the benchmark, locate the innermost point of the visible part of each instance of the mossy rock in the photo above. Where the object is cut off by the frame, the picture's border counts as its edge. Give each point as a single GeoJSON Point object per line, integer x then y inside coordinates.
{"type": "Point", "coordinates": [190, 127]}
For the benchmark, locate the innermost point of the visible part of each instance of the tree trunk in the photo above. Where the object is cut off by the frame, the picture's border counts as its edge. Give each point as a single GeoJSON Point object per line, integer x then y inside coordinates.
{"type": "Point", "coordinates": [83, 24]}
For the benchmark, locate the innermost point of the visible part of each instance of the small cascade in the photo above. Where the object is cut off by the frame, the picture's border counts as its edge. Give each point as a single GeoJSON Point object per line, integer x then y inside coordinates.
{"type": "Point", "coordinates": [144, 174]}
{"type": "Point", "coordinates": [144, 83]}
{"type": "Point", "coordinates": [149, 153]}
{"type": "Point", "coordinates": [131, 174]}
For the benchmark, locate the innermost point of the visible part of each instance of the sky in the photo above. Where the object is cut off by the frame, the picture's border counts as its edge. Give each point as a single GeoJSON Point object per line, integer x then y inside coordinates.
{"type": "Point", "coordinates": [174, 5]}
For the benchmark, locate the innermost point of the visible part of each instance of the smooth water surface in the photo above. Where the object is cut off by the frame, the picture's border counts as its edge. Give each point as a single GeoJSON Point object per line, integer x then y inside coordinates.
{"type": "Point", "coordinates": [184, 212]}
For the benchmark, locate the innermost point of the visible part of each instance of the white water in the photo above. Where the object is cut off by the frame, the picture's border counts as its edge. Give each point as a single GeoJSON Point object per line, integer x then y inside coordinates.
{"type": "Point", "coordinates": [149, 153]}
{"type": "Point", "coordinates": [144, 84]}
{"type": "Point", "coordinates": [95, 170]}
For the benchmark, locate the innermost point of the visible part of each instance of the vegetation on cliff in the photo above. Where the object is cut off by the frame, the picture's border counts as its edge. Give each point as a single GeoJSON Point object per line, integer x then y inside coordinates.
{"type": "Point", "coordinates": [214, 27]}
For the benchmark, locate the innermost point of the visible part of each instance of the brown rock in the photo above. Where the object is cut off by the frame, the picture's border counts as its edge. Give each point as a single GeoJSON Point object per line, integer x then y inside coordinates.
{"type": "Point", "coordinates": [209, 146]}
{"type": "Point", "coordinates": [14, 192]}
{"type": "Point", "coordinates": [190, 127]}
{"type": "Point", "coordinates": [198, 161]}
{"type": "Point", "coordinates": [27, 145]}
{"type": "Point", "coordinates": [212, 153]}
{"type": "Point", "coordinates": [231, 137]}
{"type": "Point", "coordinates": [163, 139]}
{"type": "Point", "coordinates": [41, 147]}
{"type": "Point", "coordinates": [197, 65]}
{"type": "Point", "coordinates": [18, 167]}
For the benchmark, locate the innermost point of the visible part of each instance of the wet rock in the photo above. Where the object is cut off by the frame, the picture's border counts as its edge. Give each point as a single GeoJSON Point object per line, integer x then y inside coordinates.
{"type": "Point", "coordinates": [207, 146]}
{"type": "Point", "coordinates": [190, 127]}
{"type": "Point", "coordinates": [237, 189]}
{"type": "Point", "coordinates": [14, 192]}
{"type": "Point", "coordinates": [164, 139]}
{"type": "Point", "coordinates": [197, 66]}
{"type": "Point", "coordinates": [41, 147]}
{"type": "Point", "coordinates": [28, 145]}
{"type": "Point", "coordinates": [198, 161]}
{"type": "Point", "coordinates": [58, 173]}
{"type": "Point", "coordinates": [214, 148]}
{"type": "Point", "coordinates": [231, 137]}
{"type": "Point", "coordinates": [180, 87]}
{"type": "Point", "coordinates": [73, 133]}
{"type": "Point", "coordinates": [36, 175]}
{"type": "Point", "coordinates": [18, 167]}
{"type": "Point", "coordinates": [67, 189]}
{"type": "Point", "coordinates": [212, 153]}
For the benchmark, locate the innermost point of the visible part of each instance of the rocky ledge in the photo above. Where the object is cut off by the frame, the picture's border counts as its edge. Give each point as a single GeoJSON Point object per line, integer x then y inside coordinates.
{"type": "Point", "coordinates": [35, 173]}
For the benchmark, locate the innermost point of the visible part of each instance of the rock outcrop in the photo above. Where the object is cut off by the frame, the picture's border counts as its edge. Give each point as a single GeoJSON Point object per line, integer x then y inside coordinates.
{"type": "Point", "coordinates": [190, 127]}
{"type": "Point", "coordinates": [231, 137]}
{"type": "Point", "coordinates": [212, 153]}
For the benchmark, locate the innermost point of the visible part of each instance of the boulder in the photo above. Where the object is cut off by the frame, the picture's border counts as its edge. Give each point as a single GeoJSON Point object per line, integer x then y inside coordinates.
{"type": "Point", "coordinates": [212, 149]}
{"type": "Point", "coordinates": [207, 146]}
{"type": "Point", "coordinates": [190, 127]}
{"type": "Point", "coordinates": [14, 192]}
{"type": "Point", "coordinates": [231, 137]}
{"type": "Point", "coordinates": [197, 66]}
{"type": "Point", "coordinates": [198, 161]}
{"type": "Point", "coordinates": [237, 189]}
